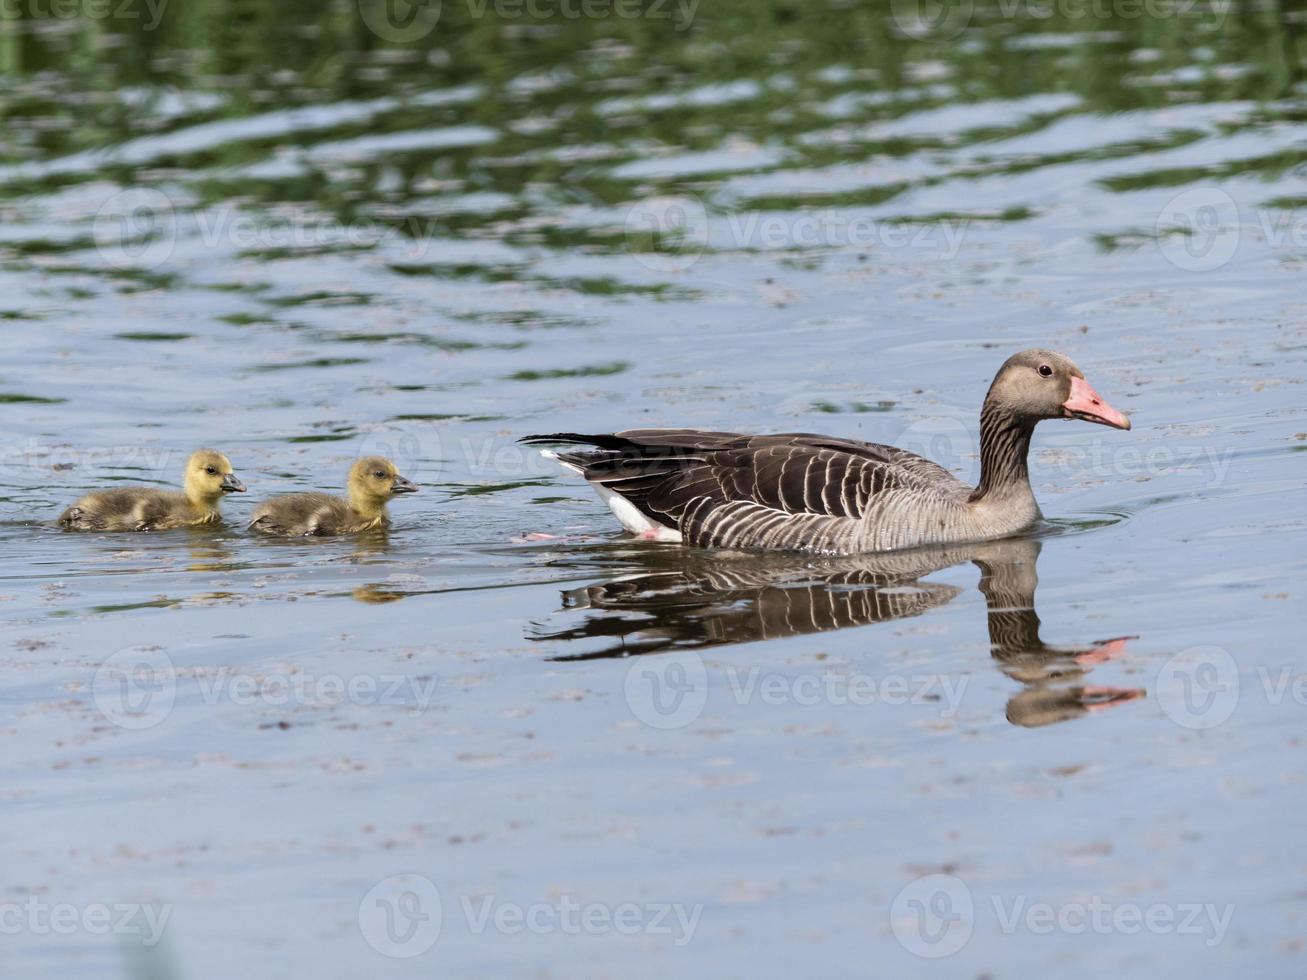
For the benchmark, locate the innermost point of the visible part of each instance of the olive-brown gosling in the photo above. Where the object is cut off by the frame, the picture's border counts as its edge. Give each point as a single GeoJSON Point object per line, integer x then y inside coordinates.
{"type": "Point", "coordinates": [373, 480]}
{"type": "Point", "coordinates": [208, 479]}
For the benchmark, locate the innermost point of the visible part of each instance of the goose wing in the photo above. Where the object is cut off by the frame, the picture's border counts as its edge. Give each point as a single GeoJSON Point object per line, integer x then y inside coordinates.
{"type": "Point", "coordinates": [793, 490]}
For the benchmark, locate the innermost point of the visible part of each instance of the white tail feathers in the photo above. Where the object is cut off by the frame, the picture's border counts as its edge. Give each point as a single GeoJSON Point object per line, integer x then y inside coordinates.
{"type": "Point", "coordinates": [550, 454]}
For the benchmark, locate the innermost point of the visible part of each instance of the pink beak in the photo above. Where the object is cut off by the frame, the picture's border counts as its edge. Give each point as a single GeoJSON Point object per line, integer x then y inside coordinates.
{"type": "Point", "coordinates": [1086, 404]}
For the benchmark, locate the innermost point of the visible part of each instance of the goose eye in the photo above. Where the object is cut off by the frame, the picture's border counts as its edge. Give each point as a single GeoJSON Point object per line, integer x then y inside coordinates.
{"type": "Point", "coordinates": [210, 470]}
{"type": "Point", "coordinates": [1045, 371]}
{"type": "Point", "coordinates": [379, 474]}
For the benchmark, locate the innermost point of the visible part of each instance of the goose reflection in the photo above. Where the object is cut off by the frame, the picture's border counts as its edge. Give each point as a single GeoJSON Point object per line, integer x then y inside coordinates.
{"type": "Point", "coordinates": [705, 600]}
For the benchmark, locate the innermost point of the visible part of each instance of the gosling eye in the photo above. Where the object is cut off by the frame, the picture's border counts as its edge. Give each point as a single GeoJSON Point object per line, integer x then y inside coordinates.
{"type": "Point", "coordinates": [379, 474]}
{"type": "Point", "coordinates": [1045, 371]}
{"type": "Point", "coordinates": [211, 471]}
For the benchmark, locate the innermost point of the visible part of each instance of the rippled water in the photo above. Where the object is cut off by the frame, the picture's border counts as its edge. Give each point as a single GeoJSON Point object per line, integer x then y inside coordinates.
{"type": "Point", "coordinates": [285, 235]}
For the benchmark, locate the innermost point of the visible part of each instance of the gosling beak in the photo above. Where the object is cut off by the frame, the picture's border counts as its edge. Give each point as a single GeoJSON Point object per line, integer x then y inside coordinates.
{"type": "Point", "coordinates": [231, 485]}
{"type": "Point", "coordinates": [1085, 403]}
{"type": "Point", "coordinates": [403, 485]}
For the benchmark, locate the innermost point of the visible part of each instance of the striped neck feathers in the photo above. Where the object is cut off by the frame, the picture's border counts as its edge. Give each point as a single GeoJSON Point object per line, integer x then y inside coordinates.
{"type": "Point", "coordinates": [1004, 446]}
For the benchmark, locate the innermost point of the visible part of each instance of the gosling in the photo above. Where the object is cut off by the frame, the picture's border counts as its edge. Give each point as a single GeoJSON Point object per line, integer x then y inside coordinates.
{"type": "Point", "coordinates": [373, 480]}
{"type": "Point", "coordinates": [208, 479]}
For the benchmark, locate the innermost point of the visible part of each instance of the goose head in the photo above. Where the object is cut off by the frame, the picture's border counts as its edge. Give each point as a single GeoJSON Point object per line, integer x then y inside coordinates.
{"type": "Point", "coordinates": [373, 480]}
{"type": "Point", "coordinates": [1043, 384]}
{"type": "Point", "coordinates": [208, 477]}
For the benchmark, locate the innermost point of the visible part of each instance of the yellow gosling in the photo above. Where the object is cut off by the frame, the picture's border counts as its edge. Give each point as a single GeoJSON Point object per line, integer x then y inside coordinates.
{"type": "Point", "coordinates": [208, 479]}
{"type": "Point", "coordinates": [373, 481]}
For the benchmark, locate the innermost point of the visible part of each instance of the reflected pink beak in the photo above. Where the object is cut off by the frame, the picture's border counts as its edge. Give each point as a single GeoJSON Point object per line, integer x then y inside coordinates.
{"type": "Point", "coordinates": [1086, 404]}
{"type": "Point", "coordinates": [1095, 698]}
{"type": "Point", "coordinates": [1105, 651]}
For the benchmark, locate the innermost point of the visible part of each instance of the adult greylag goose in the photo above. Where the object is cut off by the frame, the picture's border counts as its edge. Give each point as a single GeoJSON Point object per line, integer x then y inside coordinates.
{"type": "Point", "coordinates": [208, 478]}
{"type": "Point", "coordinates": [372, 482]}
{"type": "Point", "coordinates": [821, 494]}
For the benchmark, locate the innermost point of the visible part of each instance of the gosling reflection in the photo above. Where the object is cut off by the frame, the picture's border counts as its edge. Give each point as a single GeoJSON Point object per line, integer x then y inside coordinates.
{"type": "Point", "coordinates": [707, 600]}
{"type": "Point", "coordinates": [378, 593]}
{"type": "Point", "coordinates": [209, 552]}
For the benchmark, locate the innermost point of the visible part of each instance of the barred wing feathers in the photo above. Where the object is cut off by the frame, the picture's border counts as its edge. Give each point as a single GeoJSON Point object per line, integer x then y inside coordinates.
{"type": "Point", "coordinates": [724, 489]}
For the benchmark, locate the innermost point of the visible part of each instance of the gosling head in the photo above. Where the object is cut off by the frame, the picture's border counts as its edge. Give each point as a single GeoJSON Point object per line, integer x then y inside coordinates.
{"type": "Point", "coordinates": [208, 477]}
{"type": "Point", "coordinates": [1043, 384]}
{"type": "Point", "coordinates": [373, 480]}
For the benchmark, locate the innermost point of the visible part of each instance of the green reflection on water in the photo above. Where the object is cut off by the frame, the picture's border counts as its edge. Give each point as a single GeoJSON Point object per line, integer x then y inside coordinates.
{"type": "Point", "coordinates": [542, 114]}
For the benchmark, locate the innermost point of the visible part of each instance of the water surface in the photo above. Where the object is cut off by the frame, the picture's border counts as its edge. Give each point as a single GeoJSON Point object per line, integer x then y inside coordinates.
{"type": "Point", "coordinates": [271, 230]}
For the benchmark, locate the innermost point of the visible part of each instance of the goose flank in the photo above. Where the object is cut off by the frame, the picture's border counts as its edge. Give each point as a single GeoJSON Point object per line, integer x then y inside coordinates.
{"type": "Point", "coordinates": [373, 481]}
{"type": "Point", "coordinates": [826, 495]}
{"type": "Point", "coordinates": [208, 478]}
